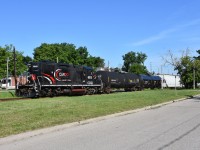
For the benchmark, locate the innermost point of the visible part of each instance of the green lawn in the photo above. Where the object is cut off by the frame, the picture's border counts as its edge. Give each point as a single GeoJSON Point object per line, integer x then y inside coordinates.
{"type": "Point", "coordinates": [20, 116]}
{"type": "Point", "coordinates": [7, 94]}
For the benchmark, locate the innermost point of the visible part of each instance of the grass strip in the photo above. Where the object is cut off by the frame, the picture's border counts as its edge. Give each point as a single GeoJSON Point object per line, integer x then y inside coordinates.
{"type": "Point", "coordinates": [20, 116]}
{"type": "Point", "coordinates": [7, 94]}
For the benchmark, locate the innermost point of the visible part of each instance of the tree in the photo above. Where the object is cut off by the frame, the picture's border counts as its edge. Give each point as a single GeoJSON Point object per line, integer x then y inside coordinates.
{"type": "Point", "coordinates": [21, 66]}
{"type": "Point", "coordinates": [66, 53]}
{"type": "Point", "coordinates": [198, 57]}
{"type": "Point", "coordinates": [186, 66]}
{"type": "Point", "coordinates": [138, 69]}
{"type": "Point", "coordinates": [141, 57]}
{"type": "Point", "coordinates": [4, 55]}
{"type": "Point", "coordinates": [134, 62]}
{"type": "Point", "coordinates": [83, 55]}
{"type": "Point", "coordinates": [7, 53]}
{"type": "Point", "coordinates": [95, 62]}
{"type": "Point", "coordinates": [187, 69]}
{"type": "Point", "coordinates": [129, 59]}
{"type": "Point", "coordinates": [27, 59]}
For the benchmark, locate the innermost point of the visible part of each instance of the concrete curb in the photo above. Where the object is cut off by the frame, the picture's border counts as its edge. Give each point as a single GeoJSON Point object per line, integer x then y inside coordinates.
{"type": "Point", "coordinates": [34, 133]}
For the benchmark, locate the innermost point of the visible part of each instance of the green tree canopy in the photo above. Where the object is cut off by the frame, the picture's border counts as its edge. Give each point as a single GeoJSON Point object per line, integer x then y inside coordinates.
{"type": "Point", "coordinates": [7, 53]}
{"type": "Point", "coordinates": [27, 59]}
{"type": "Point", "coordinates": [198, 57]}
{"type": "Point", "coordinates": [66, 53]}
{"type": "Point", "coordinates": [188, 68]}
{"type": "Point", "coordinates": [95, 62]}
{"type": "Point", "coordinates": [138, 69]}
{"type": "Point", "coordinates": [134, 62]}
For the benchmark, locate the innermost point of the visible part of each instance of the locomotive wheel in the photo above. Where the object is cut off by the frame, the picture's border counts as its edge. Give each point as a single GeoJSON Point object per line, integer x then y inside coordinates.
{"type": "Point", "coordinates": [107, 90]}
{"type": "Point", "coordinates": [133, 89]}
{"type": "Point", "coordinates": [91, 91]}
{"type": "Point", "coordinates": [125, 89]}
{"type": "Point", "coordinates": [18, 93]}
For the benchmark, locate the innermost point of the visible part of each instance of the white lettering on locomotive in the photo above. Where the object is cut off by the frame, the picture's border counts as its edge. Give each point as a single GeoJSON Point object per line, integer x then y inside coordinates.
{"type": "Point", "coordinates": [89, 77]}
{"type": "Point", "coordinates": [90, 82]}
{"type": "Point", "coordinates": [63, 74]}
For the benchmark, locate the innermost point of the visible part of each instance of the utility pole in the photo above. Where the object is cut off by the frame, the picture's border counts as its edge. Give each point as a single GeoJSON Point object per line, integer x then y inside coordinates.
{"type": "Point", "coordinates": [7, 60]}
{"type": "Point", "coordinates": [161, 78]}
{"type": "Point", "coordinates": [175, 85]}
{"type": "Point", "coordinates": [15, 69]}
{"type": "Point", "coordinates": [108, 65]}
{"type": "Point", "coordinates": [150, 67]}
{"type": "Point", "coordinates": [194, 75]}
{"type": "Point", "coordinates": [175, 82]}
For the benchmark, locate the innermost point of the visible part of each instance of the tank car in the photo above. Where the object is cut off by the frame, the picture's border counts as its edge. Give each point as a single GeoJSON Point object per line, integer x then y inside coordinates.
{"type": "Point", "coordinates": [151, 81]}
{"type": "Point", "coordinates": [133, 82]}
{"type": "Point", "coordinates": [119, 80]}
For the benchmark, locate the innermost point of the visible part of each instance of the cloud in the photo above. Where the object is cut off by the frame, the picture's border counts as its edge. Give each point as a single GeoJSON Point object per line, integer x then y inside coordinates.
{"type": "Point", "coordinates": [192, 39]}
{"type": "Point", "coordinates": [154, 38]}
{"type": "Point", "coordinates": [191, 23]}
{"type": "Point", "coordinates": [163, 34]}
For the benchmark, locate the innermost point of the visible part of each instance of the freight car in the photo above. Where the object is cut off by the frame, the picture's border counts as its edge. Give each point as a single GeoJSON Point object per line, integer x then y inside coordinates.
{"type": "Point", "coordinates": [118, 80]}
{"type": "Point", "coordinates": [151, 81]}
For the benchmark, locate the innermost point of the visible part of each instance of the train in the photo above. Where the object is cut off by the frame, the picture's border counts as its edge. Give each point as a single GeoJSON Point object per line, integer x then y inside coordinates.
{"type": "Point", "coordinates": [46, 78]}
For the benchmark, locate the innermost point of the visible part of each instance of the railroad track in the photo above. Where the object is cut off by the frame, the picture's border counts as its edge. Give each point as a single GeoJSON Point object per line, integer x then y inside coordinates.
{"type": "Point", "coordinates": [14, 99]}
{"type": "Point", "coordinates": [28, 98]}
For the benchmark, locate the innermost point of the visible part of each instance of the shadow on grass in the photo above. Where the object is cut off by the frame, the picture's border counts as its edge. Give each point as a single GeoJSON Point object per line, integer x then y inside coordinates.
{"type": "Point", "coordinates": [12, 93]}
{"type": "Point", "coordinates": [190, 96]}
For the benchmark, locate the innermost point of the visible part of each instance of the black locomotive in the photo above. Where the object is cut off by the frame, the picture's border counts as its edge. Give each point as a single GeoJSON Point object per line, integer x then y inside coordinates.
{"type": "Point", "coordinates": [50, 79]}
{"type": "Point", "coordinates": [47, 78]}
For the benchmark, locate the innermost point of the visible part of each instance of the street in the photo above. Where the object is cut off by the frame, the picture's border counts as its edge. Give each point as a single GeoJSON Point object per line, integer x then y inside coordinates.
{"type": "Point", "coordinates": [174, 126]}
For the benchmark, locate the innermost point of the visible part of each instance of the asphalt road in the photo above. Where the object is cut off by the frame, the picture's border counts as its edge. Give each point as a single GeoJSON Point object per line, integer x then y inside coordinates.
{"type": "Point", "coordinates": [174, 126]}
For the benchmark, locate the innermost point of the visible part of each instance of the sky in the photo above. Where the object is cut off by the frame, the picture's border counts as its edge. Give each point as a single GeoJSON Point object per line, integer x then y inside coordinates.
{"type": "Point", "coordinates": [108, 28]}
